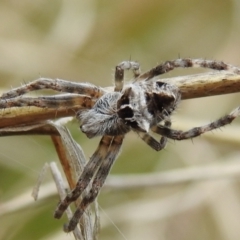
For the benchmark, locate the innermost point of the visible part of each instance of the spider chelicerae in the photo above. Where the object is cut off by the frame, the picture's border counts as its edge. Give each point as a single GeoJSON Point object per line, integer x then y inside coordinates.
{"type": "Point", "coordinates": [142, 106]}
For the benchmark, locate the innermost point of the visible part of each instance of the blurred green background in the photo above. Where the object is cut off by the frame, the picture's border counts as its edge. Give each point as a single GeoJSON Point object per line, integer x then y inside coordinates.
{"type": "Point", "coordinates": [83, 41]}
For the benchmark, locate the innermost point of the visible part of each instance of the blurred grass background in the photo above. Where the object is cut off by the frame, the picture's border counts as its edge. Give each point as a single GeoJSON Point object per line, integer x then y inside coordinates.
{"type": "Point", "coordinates": [83, 41]}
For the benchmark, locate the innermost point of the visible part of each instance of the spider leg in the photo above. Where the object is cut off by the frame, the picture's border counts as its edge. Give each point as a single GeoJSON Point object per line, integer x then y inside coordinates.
{"type": "Point", "coordinates": [65, 101]}
{"type": "Point", "coordinates": [57, 85]}
{"type": "Point", "coordinates": [86, 176]}
{"type": "Point", "coordinates": [152, 142]}
{"type": "Point", "coordinates": [187, 63]}
{"type": "Point", "coordinates": [98, 181]}
{"type": "Point", "coordinates": [194, 132]}
{"type": "Point", "coordinates": [119, 73]}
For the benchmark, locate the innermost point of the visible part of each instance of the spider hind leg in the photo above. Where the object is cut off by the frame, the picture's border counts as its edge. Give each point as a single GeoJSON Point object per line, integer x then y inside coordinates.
{"type": "Point", "coordinates": [196, 131]}
{"type": "Point", "coordinates": [89, 170]}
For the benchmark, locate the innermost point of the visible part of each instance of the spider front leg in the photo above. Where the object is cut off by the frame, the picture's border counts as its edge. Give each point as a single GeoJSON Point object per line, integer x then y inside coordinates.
{"type": "Point", "coordinates": [119, 73]}
{"type": "Point", "coordinates": [57, 85]}
{"type": "Point", "coordinates": [187, 63]}
{"type": "Point", "coordinates": [98, 181]}
{"type": "Point", "coordinates": [194, 132]}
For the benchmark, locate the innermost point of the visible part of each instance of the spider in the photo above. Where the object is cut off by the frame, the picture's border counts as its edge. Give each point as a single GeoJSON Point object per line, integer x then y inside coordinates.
{"type": "Point", "coordinates": [142, 106]}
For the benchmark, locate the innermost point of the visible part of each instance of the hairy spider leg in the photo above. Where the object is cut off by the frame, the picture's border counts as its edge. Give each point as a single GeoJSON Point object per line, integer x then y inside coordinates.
{"type": "Point", "coordinates": [119, 73]}
{"type": "Point", "coordinates": [187, 63]}
{"type": "Point", "coordinates": [98, 181]}
{"type": "Point", "coordinates": [58, 101]}
{"type": "Point", "coordinates": [89, 171]}
{"type": "Point", "coordinates": [196, 131]}
{"type": "Point", "coordinates": [152, 142]}
{"type": "Point", "coordinates": [57, 85]}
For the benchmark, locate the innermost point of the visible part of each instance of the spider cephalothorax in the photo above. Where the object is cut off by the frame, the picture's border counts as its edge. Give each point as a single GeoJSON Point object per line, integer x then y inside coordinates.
{"type": "Point", "coordinates": [137, 107]}
{"type": "Point", "coordinates": [145, 105]}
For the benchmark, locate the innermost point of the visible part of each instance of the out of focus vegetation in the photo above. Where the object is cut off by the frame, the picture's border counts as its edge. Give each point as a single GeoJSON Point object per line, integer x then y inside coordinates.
{"type": "Point", "coordinates": [83, 41]}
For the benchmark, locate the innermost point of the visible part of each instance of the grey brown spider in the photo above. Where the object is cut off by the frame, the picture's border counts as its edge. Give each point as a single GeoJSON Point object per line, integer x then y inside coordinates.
{"type": "Point", "coordinates": [145, 105]}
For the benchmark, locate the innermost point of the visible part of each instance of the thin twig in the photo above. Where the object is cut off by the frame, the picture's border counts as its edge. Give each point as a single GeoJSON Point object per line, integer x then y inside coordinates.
{"type": "Point", "coordinates": [206, 84]}
{"type": "Point", "coordinates": [173, 177]}
{"type": "Point", "coordinates": [61, 191]}
{"type": "Point", "coordinates": [129, 182]}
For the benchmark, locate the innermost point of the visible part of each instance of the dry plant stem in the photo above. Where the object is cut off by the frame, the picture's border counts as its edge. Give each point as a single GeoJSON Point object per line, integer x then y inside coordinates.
{"type": "Point", "coordinates": [230, 170]}
{"type": "Point", "coordinates": [42, 128]}
{"type": "Point", "coordinates": [70, 104]}
{"type": "Point", "coordinates": [191, 86]}
{"type": "Point", "coordinates": [73, 161]}
{"type": "Point", "coordinates": [61, 190]}
{"type": "Point", "coordinates": [64, 160]}
{"type": "Point", "coordinates": [18, 116]}
{"type": "Point", "coordinates": [205, 85]}
{"type": "Point", "coordinates": [39, 181]}
{"type": "Point", "coordinates": [174, 177]}
{"type": "Point", "coordinates": [97, 226]}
